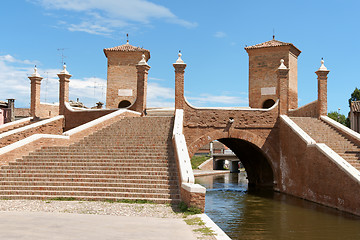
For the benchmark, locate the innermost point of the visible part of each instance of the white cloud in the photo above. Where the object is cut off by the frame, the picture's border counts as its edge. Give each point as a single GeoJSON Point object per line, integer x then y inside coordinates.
{"type": "Point", "coordinates": [15, 84]}
{"type": "Point", "coordinates": [220, 35]}
{"type": "Point", "coordinates": [103, 17]}
{"type": "Point", "coordinates": [158, 96]}
{"type": "Point", "coordinates": [208, 99]}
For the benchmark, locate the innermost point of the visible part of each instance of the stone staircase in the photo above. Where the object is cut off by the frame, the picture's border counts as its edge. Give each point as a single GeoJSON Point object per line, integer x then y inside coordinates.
{"type": "Point", "coordinates": [131, 159]}
{"type": "Point", "coordinates": [322, 132]}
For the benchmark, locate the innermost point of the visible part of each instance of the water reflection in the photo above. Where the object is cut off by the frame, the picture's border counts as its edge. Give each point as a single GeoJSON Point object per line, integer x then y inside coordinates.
{"type": "Point", "coordinates": [244, 214]}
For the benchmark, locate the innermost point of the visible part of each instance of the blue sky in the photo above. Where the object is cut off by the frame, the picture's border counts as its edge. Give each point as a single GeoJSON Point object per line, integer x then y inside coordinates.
{"type": "Point", "coordinates": [211, 35]}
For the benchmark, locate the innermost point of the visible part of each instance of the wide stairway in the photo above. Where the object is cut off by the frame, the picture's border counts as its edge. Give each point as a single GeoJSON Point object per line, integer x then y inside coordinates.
{"type": "Point", "coordinates": [322, 132]}
{"type": "Point", "coordinates": [132, 159]}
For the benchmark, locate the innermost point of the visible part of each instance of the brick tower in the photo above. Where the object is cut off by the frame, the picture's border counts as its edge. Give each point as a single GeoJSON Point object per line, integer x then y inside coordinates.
{"type": "Point", "coordinates": [122, 74]}
{"type": "Point", "coordinates": [264, 60]}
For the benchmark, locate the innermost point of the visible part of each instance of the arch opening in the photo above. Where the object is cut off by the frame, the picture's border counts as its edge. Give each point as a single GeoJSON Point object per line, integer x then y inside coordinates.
{"type": "Point", "coordinates": [258, 169]}
{"type": "Point", "coordinates": [124, 104]}
{"type": "Point", "coordinates": [268, 103]}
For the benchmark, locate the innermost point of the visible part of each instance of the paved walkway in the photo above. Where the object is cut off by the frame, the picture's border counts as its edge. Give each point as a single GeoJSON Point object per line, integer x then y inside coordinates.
{"type": "Point", "coordinates": [49, 226]}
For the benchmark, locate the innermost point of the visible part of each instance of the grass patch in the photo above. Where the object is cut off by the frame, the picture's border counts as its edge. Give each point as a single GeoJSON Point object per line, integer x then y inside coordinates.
{"type": "Point", "coordinates": [194, 221]}
{"type": "Point", "coordinates": [138, 201]}
{"type": "Point", "coordinates": [196, 161]}
{"type": "Point", "coordinates": [188, 210]}
{"type": "Point", "coordinates": [64, 199]}
{"type": "Point", "coordinates": [205, 231]}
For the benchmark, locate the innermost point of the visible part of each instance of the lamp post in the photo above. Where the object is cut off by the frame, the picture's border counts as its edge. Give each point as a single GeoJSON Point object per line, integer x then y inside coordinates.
{"type": "Point", "coordinates": [338, 116]}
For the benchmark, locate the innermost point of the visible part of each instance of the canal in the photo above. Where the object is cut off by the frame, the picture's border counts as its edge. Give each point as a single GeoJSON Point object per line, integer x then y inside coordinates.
{"type": "Point", "coordinates": [244, 214]}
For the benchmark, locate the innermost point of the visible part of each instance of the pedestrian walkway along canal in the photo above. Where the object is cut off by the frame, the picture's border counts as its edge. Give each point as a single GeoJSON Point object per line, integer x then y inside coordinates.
{"type": "Point", "coordinates": [244, 214]}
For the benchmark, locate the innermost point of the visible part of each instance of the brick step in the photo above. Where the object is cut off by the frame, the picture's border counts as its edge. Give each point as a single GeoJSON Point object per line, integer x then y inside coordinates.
{"type": "Point", "coordinates": [90, 198]}
{"type": "Point", "coordinates": [90, 181]}
{"type": "Point", "coordinates": [99, 147]}
{"type": "Point", "coordinates": [87, 175]}
{"type": "Point", "coordinates": [52, 171]}
{"type": "Point", "coordinates": [15, 188]}
{"type": "Point", "coordinates": [91, 194]}
{"type": "Point", "coordinates": [98, 161]}
{"type": "Point", "coordinates": [92, 184]}
{"type": "Point", "coordinates": [105, 153]}
{"type": "Point", "coordinates": [89, 168]}
{"type": "Point", "coordinates": [123, 142]}
{"type": "Point", "coordinates": [91, 164]}
{"type": "Point", "coordinates": [98, 156]}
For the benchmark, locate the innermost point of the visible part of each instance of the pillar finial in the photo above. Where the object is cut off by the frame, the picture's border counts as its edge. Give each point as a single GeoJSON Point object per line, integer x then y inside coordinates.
{"type": "Point", "coordinates": [35, 74]}
{"type": "Point", "coordinates": [282, 65]}
{"type": "Point", "coordinates": [143, 61]}
{"type": "Point", "coordinates": [322, 67]}
{"type": "Point", "coordinates": [179, 60]}
{"type": "Point", "coordinates": [64, 71]}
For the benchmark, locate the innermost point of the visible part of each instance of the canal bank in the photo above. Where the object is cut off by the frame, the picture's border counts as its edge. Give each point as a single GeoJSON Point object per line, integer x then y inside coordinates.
{"type": "Point", "coordinates": [244, 214]}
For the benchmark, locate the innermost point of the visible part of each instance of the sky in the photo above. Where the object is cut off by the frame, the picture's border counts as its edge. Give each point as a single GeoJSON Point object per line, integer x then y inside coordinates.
{"type": "Point", "coordinates": [210, 34]}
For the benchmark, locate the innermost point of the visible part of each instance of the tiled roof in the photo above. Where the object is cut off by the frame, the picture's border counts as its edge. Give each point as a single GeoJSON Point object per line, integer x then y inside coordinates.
{"type": "Point", "coordinates": [355, 106]}
{"type": "Point", "coordinates": [127, 48]}
{"type": "Point", "coordinates": [271, 43]}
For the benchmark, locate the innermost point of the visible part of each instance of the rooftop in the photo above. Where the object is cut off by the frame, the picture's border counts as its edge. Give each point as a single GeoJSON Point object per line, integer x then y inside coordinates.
{"type": "Point", "coordinates": [355, 106]}
{"type": "Point", "coordinates": [271, 43]}
{"type": "Point", "coordinates": [126, 48]}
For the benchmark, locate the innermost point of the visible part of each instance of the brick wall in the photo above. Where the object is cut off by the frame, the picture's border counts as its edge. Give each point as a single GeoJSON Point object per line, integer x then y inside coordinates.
{"type": "Point", "coordinates": [193, 199]}
{"type": "Point", "coordinates": [308, 173]}
{"type": "Point", "coordinates": [308, 110]}
{"type": "Point", "coordinates": [121, 74]}
{"type": "Point", "coordinates": [263, 63]}
{"type": "Point", "coordinates": [53, 127]}
{"type": "Point", "coordinates": [75, 118]}
{"type": "Point", "coordinates": [48, 110]}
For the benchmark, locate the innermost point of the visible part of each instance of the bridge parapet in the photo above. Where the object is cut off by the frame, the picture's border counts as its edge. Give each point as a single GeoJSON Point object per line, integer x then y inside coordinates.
{"type": "Point", "coordinates": [313, 171]}
{"type": "Point", "coordinates": [192, 194]}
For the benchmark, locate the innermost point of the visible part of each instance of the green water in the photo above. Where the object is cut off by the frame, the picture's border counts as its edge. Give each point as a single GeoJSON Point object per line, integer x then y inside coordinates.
{"type": "Point", "coordinates": [270, 215]}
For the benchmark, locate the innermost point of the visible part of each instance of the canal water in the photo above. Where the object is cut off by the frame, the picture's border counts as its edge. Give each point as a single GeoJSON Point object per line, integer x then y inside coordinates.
{"type": "Point", "coordinates": [244, 214]}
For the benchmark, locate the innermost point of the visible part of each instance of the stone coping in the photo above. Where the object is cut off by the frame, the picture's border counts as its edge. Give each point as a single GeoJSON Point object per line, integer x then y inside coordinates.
{"type": "Point", "coordinates": [339, 161]}
{"type": "Point", "coordinates": [9, 124]}
{"type": "Point", "coordinates": [303, 135]}
{"type": "Point", "coordinates": [97, 121]}
{"type": "Point", "coordinates": [326, 150]}
{"type": "Point", "coordinates": [234, 108]}
{"type": "Point", "coordinates": [28, 140]}
{"type": "Point", "coordinates": [65, 135]}
{"type": "Point", "coordinates": [219, 234]}
{"type": "Point", "coordinates": [341, 127]}
{"type": "Point", "coordinates": [193, 188]}
{"type": "Point", "coordinates": [34, 125]}
{"type": "Point", "coordinates": [181, 150]}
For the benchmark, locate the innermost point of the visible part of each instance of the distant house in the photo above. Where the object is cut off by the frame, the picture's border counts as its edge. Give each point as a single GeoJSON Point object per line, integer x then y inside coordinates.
{"type": "Point", "coordinates": [355, 116]}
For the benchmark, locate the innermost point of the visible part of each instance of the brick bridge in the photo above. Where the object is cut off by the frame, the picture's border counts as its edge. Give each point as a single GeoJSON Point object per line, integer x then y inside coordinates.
{"type": "Point", "coordinates": [109, 153]}
{"type": "Point", "coordinates": [298, 151]}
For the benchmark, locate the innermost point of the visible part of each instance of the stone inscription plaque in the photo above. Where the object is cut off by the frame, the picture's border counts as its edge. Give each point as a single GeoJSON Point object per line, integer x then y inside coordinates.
{"type": "Point", "coordinates": [268, 91]}
{"type": "Point", "coordinates": [125, 93]}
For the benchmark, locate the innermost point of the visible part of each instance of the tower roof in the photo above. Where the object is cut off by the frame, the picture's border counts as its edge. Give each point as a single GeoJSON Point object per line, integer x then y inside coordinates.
{"type": "Point", "coordinates": [272, 43]}
{"type": "Point", "coordinates": [126, 48]}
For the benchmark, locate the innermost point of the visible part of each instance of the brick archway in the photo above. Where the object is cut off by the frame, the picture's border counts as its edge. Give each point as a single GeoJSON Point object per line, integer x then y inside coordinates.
{"type": "Point", "coordinates": [252, 150]}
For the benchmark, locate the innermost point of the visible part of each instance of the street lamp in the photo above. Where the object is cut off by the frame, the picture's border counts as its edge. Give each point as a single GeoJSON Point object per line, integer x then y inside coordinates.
{"type": "Point", "coordinates": [338, 116]}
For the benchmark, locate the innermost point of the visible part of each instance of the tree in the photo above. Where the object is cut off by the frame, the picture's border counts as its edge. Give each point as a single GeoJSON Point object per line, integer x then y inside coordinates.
{"type": "Point", "coordinates": [339, 118]}
{"type": "Point", "coordinates": [355, 96]}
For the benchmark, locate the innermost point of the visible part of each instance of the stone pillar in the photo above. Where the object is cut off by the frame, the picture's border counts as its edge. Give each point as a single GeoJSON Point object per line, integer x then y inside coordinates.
{"type": "Point", "coordinates": [35, 80]}
{"type": "Point", "coordinates": [179, 83]}
{"type": "Point", "coordinates": [64, 79]}
{"type": "Point", "coordinates": [322, 73]}
{"type": "Point", "coordinates": [11, 106]}
{"type": "Point", "coordinates": [142, 75]}
{"type": "Point", "coordinates": [283, 88]}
